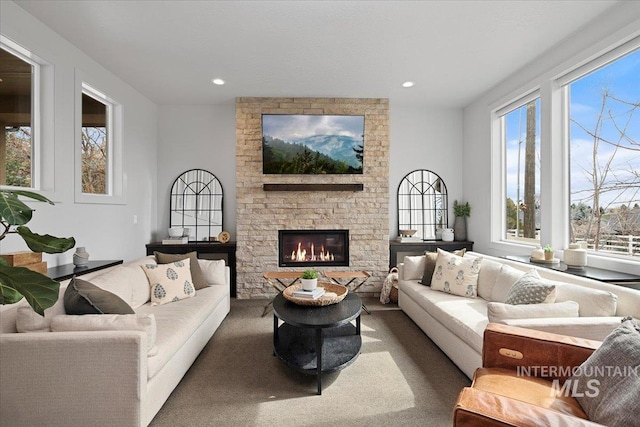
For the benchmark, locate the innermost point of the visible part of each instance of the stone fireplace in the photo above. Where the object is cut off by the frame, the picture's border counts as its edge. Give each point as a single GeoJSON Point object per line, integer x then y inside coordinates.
{"type": "Point", "coordinates": [269, 203]}
{"type": "Point", "coordinates": [313, 248]}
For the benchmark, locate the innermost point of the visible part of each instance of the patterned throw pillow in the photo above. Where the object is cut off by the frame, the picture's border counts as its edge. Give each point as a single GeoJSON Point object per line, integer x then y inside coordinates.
{"type": "Point", "coordinates": [531, 289]}
{"type": "Point", "coordinates": [456, 275]}
{"type": "Point", "coordinates": [170, 282]}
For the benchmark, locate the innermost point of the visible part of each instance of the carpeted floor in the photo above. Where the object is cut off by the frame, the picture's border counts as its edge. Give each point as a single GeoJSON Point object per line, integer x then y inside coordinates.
{"type": "Point", "coordinates": [400, 378]}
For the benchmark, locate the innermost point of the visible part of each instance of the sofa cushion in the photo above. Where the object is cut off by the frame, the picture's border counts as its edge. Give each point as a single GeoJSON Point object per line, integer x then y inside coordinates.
{"type": "Point", "coordinates": [593, 302]}
{"type": "Point", "coordinates": [413, 267]}
{"type": "Point", "coordinates": [456, 275]}
{"type": "Point", "coordinates": [214, 271]}
{"type": "Point", "coordinates": [109, 322]}
{"type": "Point", "coordinates": [170, 282]}
{"type": "Point", "coordinates": [505, 279]}
{"type": "Point", "coordinates": [129, 277]}
{"type": "Point", "coordinates": [82, 297]}
{"type": "Point", "coordinates": [465, 317]}
{"type": "Point", "coordinates": [531, 289]}
{"type": "Point", "coordinates": [199, 281]}
{"type": "Point", "coordinates": [497, 311]}
{"type": "Point", "coordinates": [608, 384]}
{"type": "Point", "coordinates": [28, 320]}
{"type": "Point", "coordinates": [487, 278]}
{"type": "Point", "coordinates": [429, 266]}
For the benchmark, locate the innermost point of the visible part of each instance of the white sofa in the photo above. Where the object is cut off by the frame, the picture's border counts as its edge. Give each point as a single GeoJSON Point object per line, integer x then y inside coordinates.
{"type": "Point", "coordinates": [107, 377]}
{"type": "Point", "coordinates": [456, 323]}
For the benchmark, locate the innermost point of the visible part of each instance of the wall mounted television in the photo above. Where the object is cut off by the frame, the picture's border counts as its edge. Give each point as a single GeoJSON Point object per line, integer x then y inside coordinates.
{"type": "Point", "coordinates": [312, 144]}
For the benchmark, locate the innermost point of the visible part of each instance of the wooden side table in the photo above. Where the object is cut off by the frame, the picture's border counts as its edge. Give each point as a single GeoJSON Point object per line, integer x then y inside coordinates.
{"type": "Point", "coordinates": [351, 277]}
{"type": "Point", "coordinates": [280, 280]}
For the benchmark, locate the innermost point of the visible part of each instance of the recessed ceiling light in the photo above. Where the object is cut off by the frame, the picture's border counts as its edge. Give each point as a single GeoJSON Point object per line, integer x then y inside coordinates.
{"type": "Point", "coordinates": [407, 84]}
{"type": "Point", "coordinates": [218, 82]}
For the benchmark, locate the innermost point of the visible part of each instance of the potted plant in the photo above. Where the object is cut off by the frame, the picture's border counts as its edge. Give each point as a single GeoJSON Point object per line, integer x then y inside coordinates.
{"type": "Point", "coordinates": [40, 291]}
{"type": "Point", "coordinates": [548, 253]}
{"type": "Point", "coordinates": [461, 212]}
{"type": "Point", "coordinates": [309, 279]}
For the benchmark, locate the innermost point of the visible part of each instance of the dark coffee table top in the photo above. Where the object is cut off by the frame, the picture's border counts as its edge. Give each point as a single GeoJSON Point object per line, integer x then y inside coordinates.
{"type": "Point", "coordinates": [328, 316]}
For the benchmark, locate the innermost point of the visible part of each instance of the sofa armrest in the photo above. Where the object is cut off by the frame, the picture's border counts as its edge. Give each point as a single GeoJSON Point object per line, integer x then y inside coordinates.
{"type": "Point", "coordinates": [591, 328]}
{"type": "Point", "coordinates": [481, 408]}
{"type": "Point", "coordinates": [510, 347]}
{"type": "Point", "coordinates": [73, 378]}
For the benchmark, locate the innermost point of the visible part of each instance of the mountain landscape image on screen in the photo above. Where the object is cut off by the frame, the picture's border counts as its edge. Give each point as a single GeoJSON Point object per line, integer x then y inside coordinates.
{"type": "Point", "coordinates": [339, 151]}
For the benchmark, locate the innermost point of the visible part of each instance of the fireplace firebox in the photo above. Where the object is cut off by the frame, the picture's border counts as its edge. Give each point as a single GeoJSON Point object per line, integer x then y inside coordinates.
{"type": "Point", "coordinates": [311, 248]}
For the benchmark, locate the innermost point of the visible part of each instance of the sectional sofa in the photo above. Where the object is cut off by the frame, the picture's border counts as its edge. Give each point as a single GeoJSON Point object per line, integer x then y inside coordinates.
{"type": "Point", "coordinates": [93, 370]}
{"type": "Point", "coordinates": [581, 307]}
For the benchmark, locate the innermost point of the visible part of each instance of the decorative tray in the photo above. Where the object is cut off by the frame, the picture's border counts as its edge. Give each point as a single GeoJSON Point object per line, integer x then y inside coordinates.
{"type": "Point", "coordinates": [544, 261]}
{"type": "Point", "coordinates": [339, 291]}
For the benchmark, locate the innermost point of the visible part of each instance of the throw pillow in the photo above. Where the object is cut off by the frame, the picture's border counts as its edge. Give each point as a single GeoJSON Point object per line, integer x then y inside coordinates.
{"type": "Point", "coordinates": [170, 282]}
{"type": "Point", "coordinates": [531, 289]}
{"type": "Point", "coordinates": [497, 311]}
{"type": "Point", "coordinates": [28, 320]}
{"type": "Point", "coordinates": [110, 322]}
{"type": "Point", "coordinates": [82, 297]}
{"type": "Point", "coordinates": [413, 267]}
{"type": "Point", "coordinates": [593, 302]}
{"type": "Point", "coordinates": [607, 384]}
{"type": "Point", "coordinates": [199, 281]}
{"type": "Point", "coordinates": [506, 278]}
{"type": "Point", "coordinates": [429, 267]}
{"type": "Point", "coordinates": [214, 271]}
{"type": "Point", "coordinates": [456, 275]}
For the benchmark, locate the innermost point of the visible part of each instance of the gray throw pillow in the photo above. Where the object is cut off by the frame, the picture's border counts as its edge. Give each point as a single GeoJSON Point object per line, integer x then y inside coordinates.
{"type": "Point", "coordinates": [607, 384]}
{"type": "Point", "coordinates": [197, 276]}
{"type": "Point", "coordinates": [531, 289]}
{"type": "Point", "coordinates": [82, 297]}
{"type": "Point", "coordinates": [429, 267]}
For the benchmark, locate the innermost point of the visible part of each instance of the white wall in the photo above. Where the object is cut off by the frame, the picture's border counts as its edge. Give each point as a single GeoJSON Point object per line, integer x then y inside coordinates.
{"type": "Point", "coordinates": [107, 231]}
{"type": "Point", "coordinates": [425, 138]}
{"type": "Point", "coordinates": [620, 23]}
{"type": "Point", "coordinates": [196, 137]}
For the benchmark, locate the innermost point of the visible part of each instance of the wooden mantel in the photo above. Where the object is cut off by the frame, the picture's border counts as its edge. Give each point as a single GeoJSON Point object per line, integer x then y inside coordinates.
{"type": "Point", "coordinates": [313, 187]}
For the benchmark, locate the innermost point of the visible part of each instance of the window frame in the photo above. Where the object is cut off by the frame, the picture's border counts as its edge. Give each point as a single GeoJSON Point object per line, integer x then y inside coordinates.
{"type": "Point", "coordinates": [115, 168]}
{"type": "Point", "coordinates": [42, 120]}
{"type": "Point", "coordinates": [554, 153]}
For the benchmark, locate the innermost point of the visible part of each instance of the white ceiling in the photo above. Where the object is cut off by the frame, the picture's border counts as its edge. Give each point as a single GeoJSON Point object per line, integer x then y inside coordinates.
{"type": "Point", "coordinates": [452, 50]}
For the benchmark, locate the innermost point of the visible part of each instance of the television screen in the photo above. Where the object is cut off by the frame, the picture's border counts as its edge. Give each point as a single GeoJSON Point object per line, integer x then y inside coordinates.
{"type": "Point", "coordinates": [312, 144]}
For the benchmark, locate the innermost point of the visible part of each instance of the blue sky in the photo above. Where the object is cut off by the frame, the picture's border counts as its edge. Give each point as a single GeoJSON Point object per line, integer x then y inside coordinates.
{"type": "Point", "coordinates": [293, 127]}
{"type": "Point", "coordinates": [622, 79]}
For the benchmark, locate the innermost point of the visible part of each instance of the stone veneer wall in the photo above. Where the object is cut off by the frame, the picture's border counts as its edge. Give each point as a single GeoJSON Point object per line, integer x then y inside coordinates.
{"type": "Point", "coordinates": [260, 214]}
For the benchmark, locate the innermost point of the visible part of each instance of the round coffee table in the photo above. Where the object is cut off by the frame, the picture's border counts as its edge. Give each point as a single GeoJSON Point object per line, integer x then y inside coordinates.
{"type": "Point", "coordinates": [313, 340]}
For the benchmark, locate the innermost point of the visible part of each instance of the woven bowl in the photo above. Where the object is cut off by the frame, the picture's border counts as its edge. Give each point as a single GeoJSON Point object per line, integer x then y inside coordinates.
{"type": "Point", "coordinates": [339, 290]}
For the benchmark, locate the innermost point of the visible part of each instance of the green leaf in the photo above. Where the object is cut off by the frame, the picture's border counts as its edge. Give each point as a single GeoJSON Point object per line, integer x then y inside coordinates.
{"type": "Point", "coordinates": [45, 243]}
{"type": "Point", "coordinates": [31, 195]}
{"type": "Point", "coordinates": [9, 295]}
{"type": "Point", "coordinates": [12, 210]}
{"type": "Point", "coordinates": [40, 291]}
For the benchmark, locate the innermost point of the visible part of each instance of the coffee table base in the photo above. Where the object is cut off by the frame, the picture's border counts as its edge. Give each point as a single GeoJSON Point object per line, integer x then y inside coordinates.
{"type": "Point", "coordinates": [314, 351]}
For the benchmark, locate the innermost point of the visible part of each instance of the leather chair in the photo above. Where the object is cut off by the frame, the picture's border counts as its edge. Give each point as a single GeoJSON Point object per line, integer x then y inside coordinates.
{"type": "Point", "coordinates": [515, 386]}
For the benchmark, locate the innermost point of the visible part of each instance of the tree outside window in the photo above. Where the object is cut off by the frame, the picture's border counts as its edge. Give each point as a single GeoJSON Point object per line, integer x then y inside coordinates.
{"type": "Point", "coordinates": [94, 146]}
{"type": "Point", "coordinates": [604, 148]}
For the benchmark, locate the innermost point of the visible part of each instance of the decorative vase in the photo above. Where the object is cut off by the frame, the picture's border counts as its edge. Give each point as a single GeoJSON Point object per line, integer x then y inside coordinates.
{"type": "Point", "coordinates": [81, 257]}
{"type": "Point", "coordinates": [447, 234]}
{"type": "Point", "coordinates": [575, 256]}
{"type": "Point", "coordinates": [309, 284]}
{"type": "Point", "coordinates": [537, 253]}
{"type": "Point", "coordinates": [460, 228]}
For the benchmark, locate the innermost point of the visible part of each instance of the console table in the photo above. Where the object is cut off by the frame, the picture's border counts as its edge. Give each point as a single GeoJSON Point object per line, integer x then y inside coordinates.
{"type": "Point", "coordinates": [398, 250]}
{"type": "Point", "coordinates": [205, 250]}
{"type": "Point", "coordinates": [67, 271]}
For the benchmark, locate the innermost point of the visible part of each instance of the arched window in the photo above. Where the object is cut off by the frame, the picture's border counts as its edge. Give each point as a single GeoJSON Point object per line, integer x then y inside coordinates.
{"type": "Point", "coordinates": [422, 203]}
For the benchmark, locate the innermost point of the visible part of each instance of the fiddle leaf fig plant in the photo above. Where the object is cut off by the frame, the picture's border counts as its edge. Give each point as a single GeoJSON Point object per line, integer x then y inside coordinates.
{"type": "Point", "coordinates": [40, 291]}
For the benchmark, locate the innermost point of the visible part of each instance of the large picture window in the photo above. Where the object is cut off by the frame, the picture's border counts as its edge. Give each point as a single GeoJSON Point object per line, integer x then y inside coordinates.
{"type": "Point", "coordinates": [17, 143]}
{"type": "Point", "coordinates": [520, 124]}
{"type": "Point", "coordinates": [604, 161]}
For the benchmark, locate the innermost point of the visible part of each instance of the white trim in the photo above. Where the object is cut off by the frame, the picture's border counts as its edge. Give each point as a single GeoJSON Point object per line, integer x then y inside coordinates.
{"type": "Point", "coordinates": [115, 159]}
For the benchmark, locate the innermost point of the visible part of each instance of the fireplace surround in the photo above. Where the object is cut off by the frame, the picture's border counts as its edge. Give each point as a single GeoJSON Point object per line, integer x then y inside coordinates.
{"type": "Point", "coordinates": [313, 248]}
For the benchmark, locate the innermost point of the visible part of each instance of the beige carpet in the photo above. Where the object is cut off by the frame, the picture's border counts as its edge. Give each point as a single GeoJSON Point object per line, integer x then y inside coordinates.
{"type": "Point", "coordinates": [400, 378]}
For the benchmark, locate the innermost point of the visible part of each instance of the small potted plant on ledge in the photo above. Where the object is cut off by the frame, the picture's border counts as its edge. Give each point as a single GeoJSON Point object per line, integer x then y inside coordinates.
{"type": "Point", "coordinates": [461, 212]}
{"type": "Point", "coordinates": [548, 253]}
{"type": "Point", "coordinates": [309, 279]}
